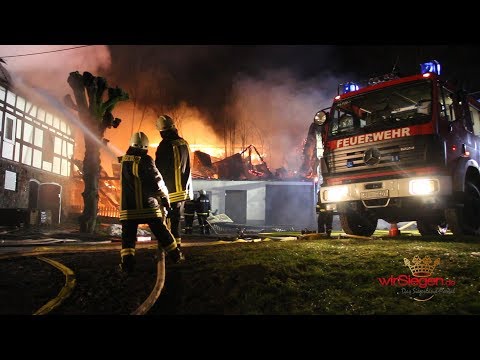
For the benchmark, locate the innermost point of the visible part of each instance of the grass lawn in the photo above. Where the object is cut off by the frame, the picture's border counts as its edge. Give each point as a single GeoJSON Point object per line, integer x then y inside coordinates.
{"type": "Point", "coordinates": [336, 276]}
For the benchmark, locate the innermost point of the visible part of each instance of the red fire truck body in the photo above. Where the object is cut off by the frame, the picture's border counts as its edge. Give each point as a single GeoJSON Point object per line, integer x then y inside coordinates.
{"type": "Point", "coordinates": [404, 149]}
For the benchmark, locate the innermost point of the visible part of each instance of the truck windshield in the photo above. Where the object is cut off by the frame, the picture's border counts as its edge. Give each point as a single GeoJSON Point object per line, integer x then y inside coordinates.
{"type": "Point", "coordinates": [390, 107]}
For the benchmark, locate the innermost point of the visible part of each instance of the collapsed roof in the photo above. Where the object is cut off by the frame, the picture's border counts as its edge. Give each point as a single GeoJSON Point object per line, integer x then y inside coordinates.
{"type": "Point", "coordinates": [235, 167]}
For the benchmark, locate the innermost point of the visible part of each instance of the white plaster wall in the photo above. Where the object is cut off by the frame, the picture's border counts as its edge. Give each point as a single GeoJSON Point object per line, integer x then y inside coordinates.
{"type": "Point", "coordinates": [256, 191]}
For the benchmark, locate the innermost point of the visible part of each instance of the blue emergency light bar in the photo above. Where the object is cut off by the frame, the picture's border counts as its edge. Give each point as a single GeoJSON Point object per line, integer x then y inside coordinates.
{"type": "Point", "coordinates": [430, 67]}
{"type": "Point", "coordinates": [350, 86]}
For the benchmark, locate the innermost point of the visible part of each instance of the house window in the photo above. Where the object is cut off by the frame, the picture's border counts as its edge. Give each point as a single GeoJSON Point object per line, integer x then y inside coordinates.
{"type": "Point", "coordinates": [49, 119]}
{"type": "Point", "coordinates": [28, 133]}
{"type": "Point", "coordinates": [56, 165]}
{"type": "Point", "coordinates": [10, 98]}
{"type": "Point", "coordinates": [27, 155]}
{"type": "Point", "coordinates": [31, 109]}
{"type": "Point", "coordinates": [69, 150]}
{"type": "Point", "coordinates": [37, 158]}
{"type": "Point", "coordinates": [41, 114]}
{"type": "Point", "coordinates": [38, 139]}
{"type": "Point", "coordinates": [47, 166]}
{"type": "Point", "coordinates": [65, 167]}
{"type": "Point", "coordinates": [10, 180]}
{"type": "Point", "coordinates": [16, 157]}
{"type": "Point", "coordinates": [2, 93]}
{"type": "Point", "coordinates": [9, 128]}
{"type": "Point", "coordinates": [20, 103]}
{"type": "Point", "coordinates": [19, 129]}
{"type": "Point", "coordinates": [57, 148]}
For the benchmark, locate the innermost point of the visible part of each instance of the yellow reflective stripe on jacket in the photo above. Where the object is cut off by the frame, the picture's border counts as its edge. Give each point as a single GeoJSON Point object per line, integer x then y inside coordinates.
{"type": "Point", "coordinates": [121, 181]}
{"type": "Point", "coordinates": [170, 247]}
{"type": "Point", "coordinates": [129, 157]}
{"type": "Point", "coordinates": [137, 184]}
{"type": "Point", "coordinates": [127, 251]}
{"type": "Point", "coordinates": [178, 196]}
{"type": "Point", "coordinates": [140, 213]}
{"type": "Point", "coordinates": [177, 168]}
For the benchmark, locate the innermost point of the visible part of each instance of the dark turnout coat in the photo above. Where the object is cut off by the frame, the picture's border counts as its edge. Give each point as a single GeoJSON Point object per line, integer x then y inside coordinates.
{"type": "Point", "coordinates": [172, 159]}
{"type": "Point", "coordinates": [142, 186]}
{"type": "Point", "coordinates": [203, 205]}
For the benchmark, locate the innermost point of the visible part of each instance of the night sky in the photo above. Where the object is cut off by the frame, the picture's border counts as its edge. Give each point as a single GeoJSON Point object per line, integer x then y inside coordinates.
{"type": "Point", "coordinates": [205, 75]}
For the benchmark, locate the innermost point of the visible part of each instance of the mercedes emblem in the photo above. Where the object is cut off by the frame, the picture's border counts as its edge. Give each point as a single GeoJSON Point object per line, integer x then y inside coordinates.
{"type": "Point", "coordinates": [372, 156]}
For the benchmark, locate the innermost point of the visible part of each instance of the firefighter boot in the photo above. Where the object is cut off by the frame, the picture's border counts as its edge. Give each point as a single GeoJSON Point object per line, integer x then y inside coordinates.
{"type": "Point", "coordinates": [128, 263]}
{"type": "Point", "coordinates": [176, 255]}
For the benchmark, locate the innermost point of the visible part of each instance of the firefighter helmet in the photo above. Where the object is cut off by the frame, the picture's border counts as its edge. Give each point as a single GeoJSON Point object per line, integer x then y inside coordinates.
{"type": "Point", "coordinates": [202, 192]}
{"type": "Point", "coordinates": [165, 122]}
{"type": "Point", "coordinates": [139, 140]}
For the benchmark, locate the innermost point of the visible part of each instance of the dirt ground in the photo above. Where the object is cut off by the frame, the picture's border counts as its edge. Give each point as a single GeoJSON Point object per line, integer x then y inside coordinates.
{"type": "Point", "coordinates": [27, 283]}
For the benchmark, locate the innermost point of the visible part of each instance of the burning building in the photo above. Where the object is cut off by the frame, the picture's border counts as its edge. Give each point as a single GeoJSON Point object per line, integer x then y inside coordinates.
{"type": "Point", "coordinates": [243, 187]}
{"type": "Point", "coordinates": [245, 165]}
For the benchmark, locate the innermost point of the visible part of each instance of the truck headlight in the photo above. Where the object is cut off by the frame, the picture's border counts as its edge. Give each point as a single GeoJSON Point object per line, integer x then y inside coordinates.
{"type": "Point", "coordinates": [423, 186]}
{"type": "Point", "coordinates": [335, 193]}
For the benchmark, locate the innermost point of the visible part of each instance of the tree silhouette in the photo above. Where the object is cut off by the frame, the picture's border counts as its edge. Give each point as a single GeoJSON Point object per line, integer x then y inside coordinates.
{"type": "Point", "coordinates": [96, 115]}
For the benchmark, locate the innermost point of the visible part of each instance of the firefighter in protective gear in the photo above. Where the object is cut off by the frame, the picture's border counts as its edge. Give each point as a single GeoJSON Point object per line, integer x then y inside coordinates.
{"type": "Point", "coordinates": [164, 123]}
{"type": "Point", "coordinates": [172, 159]}
{"type": "Point", "coordinates": [324, 220]}
{"type": "Point", "coordinates": [189, 215]}
{"type": "Point", "coordinates": [312, 151]}
{"type": "Point", "coordinates": [144, 197]}
{"type": "Point", "coordinates": [203, 211]}
{"type": "Point", "coordinates": [312, 154]}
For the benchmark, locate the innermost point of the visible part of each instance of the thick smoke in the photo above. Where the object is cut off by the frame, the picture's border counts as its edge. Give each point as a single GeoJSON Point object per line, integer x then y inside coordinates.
{"type": "Point", "coordinates": [275, 112]}
{"type": "Point", "coordinates": [226, 97]}
{"type": "Point", "coordinates": [233, 95]}
{"type": "Point", "coordinates": [50, 71]}
{"type": "Point", "coordinates": [43, 78]}
{"type": "Point", "coordinates": [272, 113]}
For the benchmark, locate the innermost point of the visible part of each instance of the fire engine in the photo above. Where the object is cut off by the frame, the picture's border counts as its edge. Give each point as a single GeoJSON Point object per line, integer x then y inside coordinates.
{"type": "Point", "coordinates": [402, 149]}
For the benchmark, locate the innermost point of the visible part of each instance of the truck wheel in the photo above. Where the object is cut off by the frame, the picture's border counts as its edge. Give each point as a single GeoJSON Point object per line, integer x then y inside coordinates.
{"type": "Point", "coordinates": [428, 227]}
{"type": "Point", "coordinates": [358, 224]}
{"type": "Point", "coordinates": [466, 220]}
